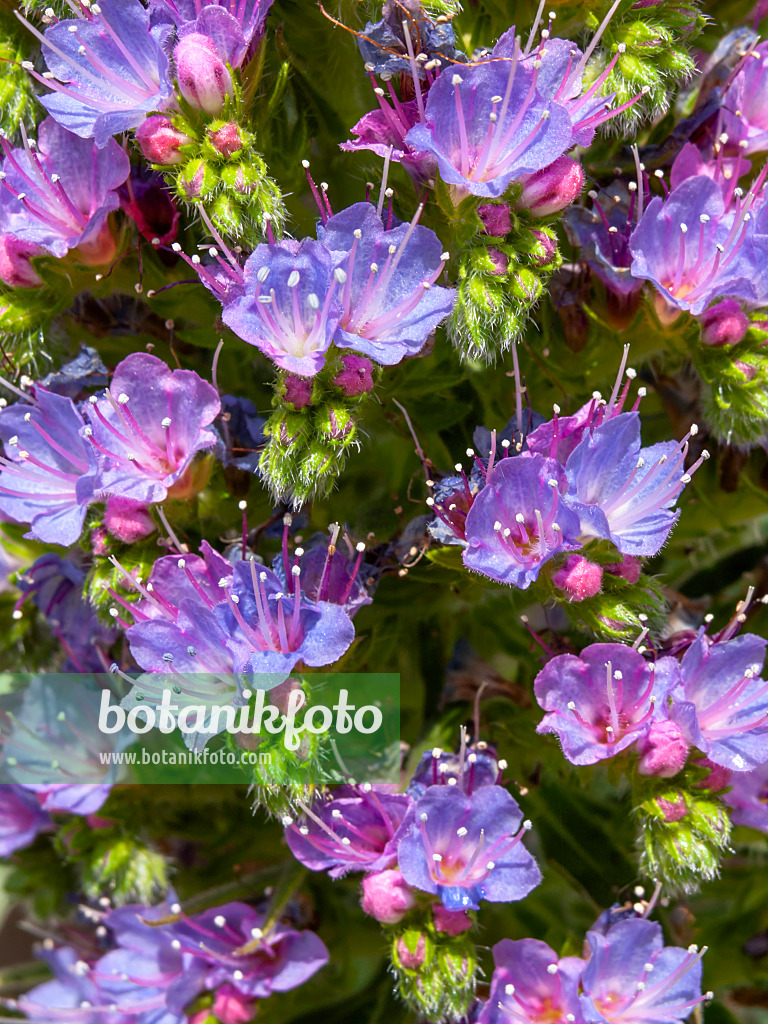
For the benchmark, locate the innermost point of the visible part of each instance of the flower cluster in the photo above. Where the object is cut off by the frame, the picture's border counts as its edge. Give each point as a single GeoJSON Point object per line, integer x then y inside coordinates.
{"type": "Point", "coordinates": [626, 974]}
{"type": "Point", "coordinates": [569, 480]}
{"type": "Point", "coordinates": [161, 961]}
{"type": "Point", "coordinates": [457, 840]}
{"type": "Point", "coordinates": [610, 697]}
{"type": "Point", "coordinates": [133, 446]}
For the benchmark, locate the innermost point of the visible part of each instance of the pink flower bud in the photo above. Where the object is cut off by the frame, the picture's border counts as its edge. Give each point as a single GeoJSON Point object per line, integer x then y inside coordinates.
{"type": "Point", "coordinates": [718, 777]}
{"type": "Point", "coordinates": [723, 324]}
{"type": "Point", "coordinates": [628, 568]}
{"type": "Point", "coordinates": [450, 922]}
{"type": "Point", "coordinates": [356, 376]}
{"type": "Point", "coordinates": [499, 260]}
{"type": "Point", "coordinates": [750, 372]}
{"type": "Point", "coordinates": [15, 269]}
{"type": "Point", "coordinates": [160, 142]}
{"type": "Point", "coordinates": [578, 578]}
{"type": "Point", "coordinates": [231, 1006]}
{"type": "Point", "coordinates": [100, 542]}
{"type": "Point", "coordinates": [548, 248]}
{"type": "Point", "coordinates": [412, 959]}
{"type": "Point", "coordinates": [387, 897]}
{"type": "Point", "coordinates": [226, 140]}
{"type": "Point", "coordinates": [204, 80]}
{"type": "Point", "coordinates": [551, 189]}
{"type": "Point", "coordinates": [663, 752]}
{"type": "Point", "coordinates": [298, 391]}
{"type": "Point", "coordinates": [673, 810]}
{"type": "Point", "coordinates": [496, 218]}
{"type": "Point", "coordinates": [128, 520]}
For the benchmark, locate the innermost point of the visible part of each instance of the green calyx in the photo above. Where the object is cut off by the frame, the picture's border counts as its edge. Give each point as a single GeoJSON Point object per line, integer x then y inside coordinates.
{"type": "Point", "coordinates": [652, 56]}
{"type": "Point", "coordinates": [435, 973]}
{"type": "Point", "coordinates": [223, 172]}
{"type": "Point", "coordinates": [683, 831]}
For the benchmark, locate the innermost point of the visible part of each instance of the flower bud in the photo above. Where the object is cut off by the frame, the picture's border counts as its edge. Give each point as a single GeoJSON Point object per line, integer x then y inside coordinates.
{"type": "Point", "coordinates": [496, 218]}
{"type": "Point", "coordinates": [204, 81]}
{"type": "Point", "coordinates": [551, 189]}
{"type": "Point", "coordinates": [499, 261]}
{"type": "Point", "coordinates": [673, 810]}
{"type": "Point", "coordinates": [336, 423]}
{"type": "Point", "coordinates": [749, 371]}
{"type": "Point", "coordinates": [546, 249]}
{"type": "Point", "coordinates": [411, 950]}
{"type": "Point", "coordinates": [723, 324]}
{"type": "Point", "coordinates": [15, 269]}
{"type": "Point", "coordinates": [231, 1006]}
{"type": "Point", "coordinates": [450, 922]}
{"type": "Point", "coordinates": [628, 568]}
{"type": "Point", "coordinates": [160, 142]}
{"type": "Point", "coordinates": [197, 180]}
{"type": "Point", "coordinates": [663, 752]}
{"type": "Point", "coordinates": [718, 777]}
{"type": "Point", "coordinates": [578, 578]}
{"type": "Point", "coordinates": [226, 139]}
{"type": "Point", "coordinates": [387, 897]}
{"type": "Point", "coordinates": [128, 520]}
{"type": "Point", "coordinates": [297, 391]}
{"type": "Point", "coordinates": [356, 376]}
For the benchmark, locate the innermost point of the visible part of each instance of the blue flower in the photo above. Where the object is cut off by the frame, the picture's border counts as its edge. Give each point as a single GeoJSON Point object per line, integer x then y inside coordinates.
{"type": "Point", "coordinates": [519, 521]}
{"type": "Point", "coordinates": [390, 302]}
{"type": "Point", "coordinates": [59, 194]}
{"type": "Point", "coordinates": [625, 493]}
{"type": "Point", "coordinates": [722, 701]}
{"type": "Point", "coordinates": [631, 977]}
{"type": "Point", "coordinates": [44, 476]}
{"type": "Point", "coordinates": [466, 849]}
{"type": "Point", "coordinates": [22, 818]}
{"type": "Point", "coordinates": [108, 69]}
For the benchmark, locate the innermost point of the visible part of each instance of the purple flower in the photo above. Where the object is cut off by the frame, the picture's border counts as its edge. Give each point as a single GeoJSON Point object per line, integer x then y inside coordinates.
{"type": "Point", "coordinates": [252, 626]}
{"type": "Point", "coordinates": [325, 574]}
{"type": "Point", "coordinates": [225, 948]}
{"type": "Point", "coordinates": [723, 702]}
{"type": "Point", "coordinates": [466, 849]}
{"type": "Point", "coordinates": [56, 748]}
{"type": "Point", "coordinates": [603, 235]}
{"type": "Point", "coordinates": [21, 818]}
{"type": "Point", "coordinates": [74, 994]}
{"type": "Point", "coordinates": [58, 195]}
{"type": "Point", "coordinates": [270, 631]}
{"type": "Point", "coordinates": [518, 521]}
{"type": "Point", "coordinates": [490, 123]}
{"type": "Point", "coordinates": [487, 125]}
{"type": "Point", "coordinates": [390, 303]}
{"type": "Point", "coordinates": [384, 132]}
{"type": "Point", "coordinates": [600, 702]}
{"type": "Point", "coordinates": [44, 479]}
{"type": "Point", "coordinates": [470, 770]}
{"type": "Point", "coordinates": [745, 102]}
{"type": "Point", "coordinates": [290, 307]}
{"type": "Point", "coordinates": [351, 829]}
{"type": "Point", "coordinates": [748, 798]}
{"type": "Point", "coordinates": [55, 585]}
{"type": "Point", "coordinates": [631, 977]}
{"type": "Point", "coordinates": [625, 493]}
{"type": "Point", "coordinates": [694, 249]}
{"type": "Point", "coordinates": [147, 428]}
{"type": "Point", "coordinates": [234, 26]}
{"type": "Point", "coordinates": [112, 69]}
{"type": "Point", "coordinates": [530, 985]}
